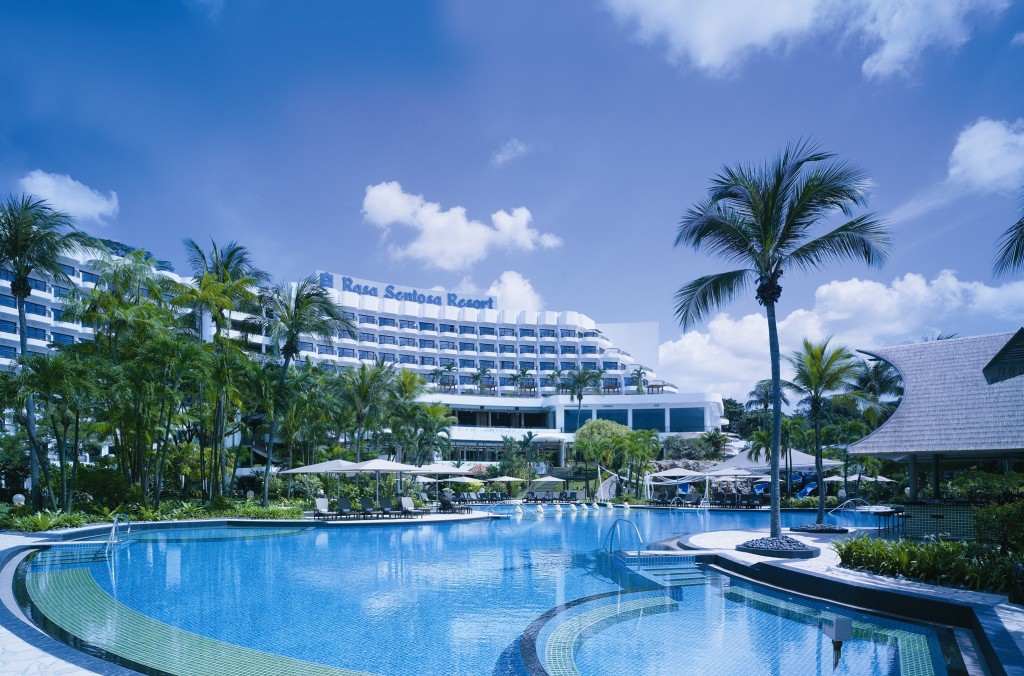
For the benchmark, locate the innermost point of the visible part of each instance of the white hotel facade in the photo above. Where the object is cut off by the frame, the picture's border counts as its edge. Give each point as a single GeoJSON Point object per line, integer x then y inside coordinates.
{"type": "Point", "coordinates": [426, 331]}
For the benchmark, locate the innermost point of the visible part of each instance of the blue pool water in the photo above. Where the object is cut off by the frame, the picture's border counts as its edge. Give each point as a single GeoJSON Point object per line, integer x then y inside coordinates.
{"type": "Point", "coordinates": [457, 598]}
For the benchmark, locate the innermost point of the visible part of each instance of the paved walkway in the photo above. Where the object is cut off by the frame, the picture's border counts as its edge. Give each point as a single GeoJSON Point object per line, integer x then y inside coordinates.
{"type": "Point", "coordinates": [997, 615]}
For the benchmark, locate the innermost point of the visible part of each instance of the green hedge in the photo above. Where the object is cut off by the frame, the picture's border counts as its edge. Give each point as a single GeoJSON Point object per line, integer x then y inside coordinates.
{"type": "Point", "coordinates": [971, 565]}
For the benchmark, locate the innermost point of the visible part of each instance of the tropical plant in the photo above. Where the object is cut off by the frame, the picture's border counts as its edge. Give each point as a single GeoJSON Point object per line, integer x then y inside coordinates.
{"type": "Point", "coordinates": [763, 218]}
{"type": "Point", "coordinates": [1010, 251]}
{"type": "Point", "coordinates": [821, 372]}
{"type": "Point", "coordinates": [760, 399]}
{"type": "Point", "coordinates": [479, 377]}
{"type": "Point", "coordinates": [638, 375]}
{"type": "Point", "coordinates": [579, 382]}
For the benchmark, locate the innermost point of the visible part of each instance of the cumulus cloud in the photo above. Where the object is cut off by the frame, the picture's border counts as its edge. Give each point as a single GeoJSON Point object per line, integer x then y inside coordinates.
{"type": "Point", "coordinates": [731, 354]}
{"type": "Point", "coordinates": [447, 238]}
{"type": "Point", "coordinates": [70, 196]}
{"type": "Point", "coordinates": [717, 36]}
{"type": "Point", "coordinates": [509, 150]}
{"type": "Point", "coordinates": [515, 292]}
{"type": "Point", "coordinates": [988, 158]}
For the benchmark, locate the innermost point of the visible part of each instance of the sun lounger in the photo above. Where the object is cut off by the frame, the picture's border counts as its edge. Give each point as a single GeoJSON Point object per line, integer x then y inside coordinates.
{"type": "Point", "coordinates": [386, 508]}
{"type": "Point", "coordinates": [449, 507]}
{"type": "Point", "coordinates": [345, 509]}
{"type": "Point", "coordinates": [322, 510]}
{"type": "Point", "coordinates": [367, 508]}
{"type": "Point", "coordinates": [409, 509]}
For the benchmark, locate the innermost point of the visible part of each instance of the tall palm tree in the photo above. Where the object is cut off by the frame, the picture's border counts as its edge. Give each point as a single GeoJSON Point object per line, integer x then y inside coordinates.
{"type": "Point", "coordinates": [33, 237]}
{"type": "Point", "coordinates": [821, 372]}
{"type": "Point", "coordinates": [555, 378]}
{"type": "Point", "coordinates": [579, 382]}
{"type": "Point", "coordinates": [478, 377]}
{"type": "Point", "coordinates": [364, 390]}
{"type": "Point", "coordinates": [1010, 254]}
{"type": "Point", "coordinates": [880, 384]}
{"type": "Point", "coordinates": [404, 409]}
{"type": "Point", "coordinates": [762, 219]}
{"type": "Point", "coordinates": [637, 375]}
{"type": "Point", "coordinates": [760, 399]}
{"type": "Point", "coordinates": [291, 311]}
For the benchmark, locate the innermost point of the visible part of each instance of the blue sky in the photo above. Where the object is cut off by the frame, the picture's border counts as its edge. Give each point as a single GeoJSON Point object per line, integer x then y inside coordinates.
{"type": "Point", "coordinates": [541, 151]}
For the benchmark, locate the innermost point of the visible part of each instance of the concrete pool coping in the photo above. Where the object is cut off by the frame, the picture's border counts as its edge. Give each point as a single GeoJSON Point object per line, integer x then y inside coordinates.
{"type": "Point", "coordinates": [997, 624]}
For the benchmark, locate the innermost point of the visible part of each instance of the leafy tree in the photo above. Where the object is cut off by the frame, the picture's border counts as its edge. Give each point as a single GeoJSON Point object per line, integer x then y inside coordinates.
{"type": "Point", "coordinates": [579, 382]}
{"type": "Point", "coordinates": [762, 219]}
{"type": "Point", "coordinates": [716, 441]}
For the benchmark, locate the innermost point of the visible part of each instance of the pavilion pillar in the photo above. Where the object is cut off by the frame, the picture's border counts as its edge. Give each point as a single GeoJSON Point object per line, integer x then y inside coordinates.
{"type": "Point", "coordinates": [936, 475]}
{"type": "Point", "coordinates": [913, 477]}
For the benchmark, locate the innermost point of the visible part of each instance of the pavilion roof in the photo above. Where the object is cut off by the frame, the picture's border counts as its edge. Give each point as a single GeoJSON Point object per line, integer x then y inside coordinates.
{"type": "Point", "coordinates": [948, 405]}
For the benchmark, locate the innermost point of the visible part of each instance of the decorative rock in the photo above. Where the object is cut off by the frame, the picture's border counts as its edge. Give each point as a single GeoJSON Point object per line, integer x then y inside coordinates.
{"type": "Point", "coordinates": [780, 547]}
{"type": "Point", "coordinates": [819, 528]}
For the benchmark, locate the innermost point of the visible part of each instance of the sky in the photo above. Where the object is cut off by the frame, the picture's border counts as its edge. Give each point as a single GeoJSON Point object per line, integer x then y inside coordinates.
{"type": "Point", "coordinates": [541, 152]}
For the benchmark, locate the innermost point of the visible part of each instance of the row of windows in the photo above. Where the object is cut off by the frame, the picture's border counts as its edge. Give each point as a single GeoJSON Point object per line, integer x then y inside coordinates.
{"type": "Point", "coordinates": [429, 344]}
{"type": "Point", "coordinates": [467, 330]}
{"type": "Point", "coordinates": [468, 363]}
{"type": "Point", "coordinates": [679, 419]}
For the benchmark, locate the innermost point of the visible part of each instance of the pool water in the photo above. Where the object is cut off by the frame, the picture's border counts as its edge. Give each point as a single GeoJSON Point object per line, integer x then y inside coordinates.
{"type": "Point", "coordinates": [455, 598]}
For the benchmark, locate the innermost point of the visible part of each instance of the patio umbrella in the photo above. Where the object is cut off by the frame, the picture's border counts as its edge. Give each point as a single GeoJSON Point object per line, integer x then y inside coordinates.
{"type": "Point", "coordinates": [330, 467]}
{"type": "Point", "coordinates": [377, 467]}
{"type": "Point", "coordinates": [675, 473]}
{"type": "Point", "coordinates": [440, 468]}
{"type": "Point", "coordinates": [505, 479]}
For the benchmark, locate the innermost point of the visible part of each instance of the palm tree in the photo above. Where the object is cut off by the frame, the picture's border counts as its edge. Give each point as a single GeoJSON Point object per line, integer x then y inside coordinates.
{"type": "Point", "coordinates": [821, 369]}
{"type": "Point", "coordinates": [761, 218]}
{"type": "Point", "coordinates": [555, 378]}
{"type": "Point", "coordinates": [434, 431]}
{"type": "Point", "coordinates": [579, 382]}
{"type": "Point", "coordinates": [760, 399]}
{"type": "Point", "coordinates": [404, 408]}
{"type": "Point", "coordinates": [1010, 255]}
{"type": "Point", "coordinates": [293, 310]}
{"type": "Point", "coordinates": [880, 384]}
{"type": "Point", "coordinates": [716, 441]}
{"type": "Point", "coordinates": [364, 391]}
{"type": "Point", "coordinates": [33, 237]}
{"type": "Point", "coordinates": [637, 375]}
{"type": "Point", "coordinates": [479, 376]}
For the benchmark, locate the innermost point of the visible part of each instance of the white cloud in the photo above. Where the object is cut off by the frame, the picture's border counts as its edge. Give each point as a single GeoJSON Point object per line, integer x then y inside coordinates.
{"type": "Point", "coordinates": [210, 8]}
{"type": "Point", "coordinates": [717, 36]}
{"type": "Point", "coordinates": [509, 150]}
{"type": "Point", "coordinates": [449, 239]}
{"type": "Point", "coordinates": [1018, 39]}
{"type": "Point", "coordinates": [731, 354]}
{"type": "Point", "coordinates": [988, 158]}
{"type": "Point", "coordinates": [515, 292]}
{"type": "Point", "coordinates": [70, 196]}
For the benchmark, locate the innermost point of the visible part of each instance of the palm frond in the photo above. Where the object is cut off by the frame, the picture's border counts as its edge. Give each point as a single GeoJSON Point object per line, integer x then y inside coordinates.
{"type": "Point", "coordinates": [1010, 252]}
{"type": "Point", "coordinates": [695, 301]}
{"type": "Point", "coordinates": [865, 238]}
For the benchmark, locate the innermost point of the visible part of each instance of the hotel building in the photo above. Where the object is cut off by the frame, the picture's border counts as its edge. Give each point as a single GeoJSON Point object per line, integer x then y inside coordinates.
{"type": "Point", "coordinates": [472, 352]}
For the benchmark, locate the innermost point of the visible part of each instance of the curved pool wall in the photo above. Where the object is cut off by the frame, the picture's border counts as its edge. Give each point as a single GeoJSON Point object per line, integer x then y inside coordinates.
{"type": "Point", "coordinates": [436, 598]}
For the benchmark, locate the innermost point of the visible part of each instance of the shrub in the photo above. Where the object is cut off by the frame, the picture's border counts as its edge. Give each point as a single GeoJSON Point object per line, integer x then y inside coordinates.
{"type": "Point", "coordinates": [977, 486]}
{"type": "Point", "coordinates": [106, 487]}
{"type": "Point", "coordinates": [40, 521]}
{"type": "Point", "coordinates": [1001, 525]}
{"type": "Point", "coordinates": [972, 565]}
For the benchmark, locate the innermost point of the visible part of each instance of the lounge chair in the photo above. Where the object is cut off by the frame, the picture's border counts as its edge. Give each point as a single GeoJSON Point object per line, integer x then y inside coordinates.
{"type": "Point", "coordinates": [573, 497]}
{"type": "Point", "coordinates": [718, 499]}
{"type": "Point", "coordinates": [530, 497]}
{"type": "Point", "coordinates": [408, 508]}
{"type": "Point", "coordinates": [692, 499]}
{"type": "Point", "coordinates": [386, 508]}
{"type": "Point", "coordinates": [322, 510]}
{"type": "Point", "coordinates": [344, 509]}
{"type": "Point", "coordinates": [449, 507]}
{"type": "Point", "coordinates": [366, 508]}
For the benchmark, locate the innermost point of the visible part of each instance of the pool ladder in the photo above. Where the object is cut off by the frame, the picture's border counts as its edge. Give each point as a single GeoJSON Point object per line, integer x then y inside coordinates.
{"type": "Point", "coordinates": [613, 532]}
{"type": "Point", "coordinates": [852, 503]}
{"type": "Point", "coordinates": [115, 533]}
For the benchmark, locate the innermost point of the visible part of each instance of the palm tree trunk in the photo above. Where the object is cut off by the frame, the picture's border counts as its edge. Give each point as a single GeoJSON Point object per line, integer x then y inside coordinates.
{"type": "Point", "coordinates": [773, 348]}
{"type": "Point", "coordinates": [30, 416]}
{"type": "Point", "coordinates": [818, 470]}
{"type": "Point", "coordinates": [273, 430]}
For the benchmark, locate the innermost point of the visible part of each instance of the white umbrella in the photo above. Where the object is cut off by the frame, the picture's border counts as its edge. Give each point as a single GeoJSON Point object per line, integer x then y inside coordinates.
{"type": "Point", "coordinates": [378, 467]}
{"type": "Point", "coordinates": [425, 480]}
{"type": "Point", "coordinates": [548, 480]}
{"type": "Point", "coordinates": [505, 479]}
{"type": "Point", "coordinates": [440, 468]}
{"type": "Point", "coordinates": [729, 471]}
{"type": "Point", "coordinates": [464, 480]}
{"type": "Point", "coordinates": [330, 467]}
{"type": "Point", "coordinates": [676, 472]}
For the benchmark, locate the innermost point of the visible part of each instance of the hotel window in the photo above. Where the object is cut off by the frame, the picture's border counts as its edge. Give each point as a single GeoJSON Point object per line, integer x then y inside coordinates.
{"type": "Point", "coordinates": [36, 334]}
{"type": "Point", "coordinates": [8, 301]}
{"type": "Point", "coordinates": [568, 349]}
{"type": "Point", "coordinates": [446, 328]}
{"type": "Point", "coordinates": [305, 347]}
{"type": "Point", "coordinates": [367, 319]}
{"type": "Point", "coordinates": [528, 365]}
{"type": "Point", "coordinates": [324, 349]}
{"type": "Point", "coordinates": [428, 344]}
{"type": "Point", "coordinates": [504, 382]}
{"type": "Point", "coordinates": [486, 364]}
{"type": "Point", "coordinates": [406, 342]}
{"type": "Point", "coordinates": [589, 334]}
{"type": "Point", "coordinates": [387, 357]}
{"type": "Point", "coordinates": [8, 352]}
{"type": "Point", "coordinates": [548, 349]}
{"type": "Point", "coordinates": [611, 382]}
{"type": "Point", "coordinates": [8, 327]}
{"type": "Point", "coordinates": [444, 361]}
{"type": "Point", "coordinates": [548, 333]}
{"type": "Point", "coordinates": [507, 349]}
{"type": "Point", "coordinates": [568, 366]}
{"type": "Point", "coordinates": [616, 415]}
{"type": "Point", "coordinates": [387, 321]}
{"type": "Point", "coordinates": [547, 366]}
{"type": "Point", "coordinates": [649, 419]}
{"type": "Point", "coordinates": [35, 309]}
{"type": "Point", "coordinates": [345, 335]}
{"type": "Point", "coordinates": [61, 291]}
{"type": "Point", "coordinates": [487, 347]}
{"type": "Point", "coordinates": [367, 355]}
{"type": "Point", "coordinates": [467, 347]}
{"type": "Point", "coordinates": [467, 364]}
{"type": "Point", "coordinates": [508, 365]}
{"type": "Point", "coordinates": [486, 331]}
{"type": "Point", "coordinates": [446, 345]}
{"type": "Point", "coordinates": [629, 382]}
{"type": "Point", "coordinates": [406, 324]}
{"type": "Point", "coordinates": [589, 365]}
{"type": "Point", "coordinates": [36, 284]}
{"type": "Point", "coordinates": [568, 333]}
{"type": "Point", "coordinates": [89, 277]}
{"type": "Point", "coordinates": [428, 326]}
{"type": "Point", "coordinates": [351, 316]}
{"type": "Point", "coordinates": [527, 333]}
{"type": "Point", "coordinates": [68, 270]}
{"type": "Point", "coordinates": [527, 349]}
{"type": "Point", "coordinates": [465, 380]}
{"type": "Point", "coordinates": [466, 330]}
{"type": "Point", "coordinates": [367, 338]}
{"type": "Point", "coordinates": [507, 333]}
{"type": "Point", "coordinates": [386, 340]}
{"type": "Point", "coordinates": [588, 349]}
{"type": "Point", "coordinates": [346, 352]}
{"type": "Point", "coordinates": [428, 361]}
{"type": "Point", "coordinates": [610, 365]}
{"type": "Point", "coordinates": [328, 366]}
{"type": "Point", "coordinates": [406, 359]}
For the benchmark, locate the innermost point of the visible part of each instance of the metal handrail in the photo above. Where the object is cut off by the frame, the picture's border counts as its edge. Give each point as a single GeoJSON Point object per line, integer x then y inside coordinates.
{"type": "Point", "coordinates": [614, 530]}
{"type": "Point", "coordinates": [114, 536]}
{"type": "Point", "coordinates": [852, 503]}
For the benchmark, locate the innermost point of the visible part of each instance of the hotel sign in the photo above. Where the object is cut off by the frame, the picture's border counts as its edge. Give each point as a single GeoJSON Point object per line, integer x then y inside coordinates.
{"type": "Point", "coordinates": [430, 297]}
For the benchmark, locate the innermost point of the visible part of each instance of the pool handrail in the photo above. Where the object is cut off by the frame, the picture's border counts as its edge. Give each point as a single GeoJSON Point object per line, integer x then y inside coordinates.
{"type": "Point", "coordinates": [614, 530]}
{"type": "Point", "coordinates": [852, 503]}
{"type": "Point", "coordinates": [115, 537]}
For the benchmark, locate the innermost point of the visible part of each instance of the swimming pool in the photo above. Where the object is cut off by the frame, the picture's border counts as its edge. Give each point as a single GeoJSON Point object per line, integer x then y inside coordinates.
{"type": "Point", "coordinates": [506, 596]}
